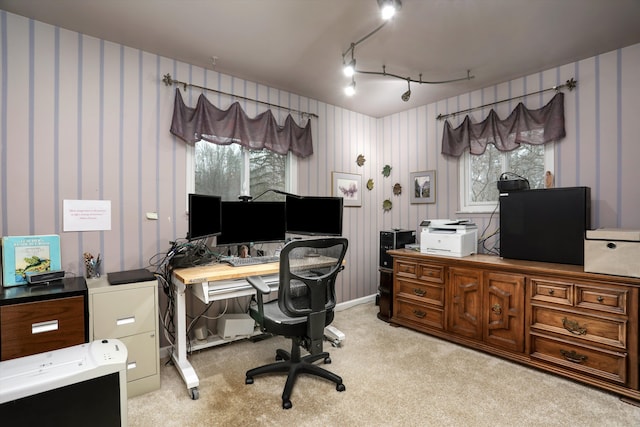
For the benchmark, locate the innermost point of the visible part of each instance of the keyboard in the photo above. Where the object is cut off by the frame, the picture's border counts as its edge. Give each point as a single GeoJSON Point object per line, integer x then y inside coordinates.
{"type": "Point", "coordinates": [240, 262]}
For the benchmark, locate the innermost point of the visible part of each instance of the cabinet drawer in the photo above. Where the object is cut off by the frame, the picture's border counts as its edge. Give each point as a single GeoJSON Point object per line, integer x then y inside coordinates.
{"type": "Point", "coordinates": [609, 365]}
{"type": "Point", "coordinates": [423, 292]}
{"type": "Point", "coordinates": [606, 331]}
{"type": "Point", "coordinates": [430, 273]}
{"type": "Point", "coordinates": [609, 299]}
{"type": "Point", "coordinates": [122, 313]}
{"type": "Point", "coordinates": [426, 315]}
{"type": "Point", "coordinates": [406, 268]}
{"type": "Point", "coordinates": [551, 291]}
{"type": "Point", "coordinates": [141, 355]}
{"type": "Point", "coordinates": [36, 327]}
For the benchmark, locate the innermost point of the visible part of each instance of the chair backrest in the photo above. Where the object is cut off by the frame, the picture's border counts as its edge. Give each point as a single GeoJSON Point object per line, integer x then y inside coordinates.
{"type": "Point", "coordinates": [308, 270]}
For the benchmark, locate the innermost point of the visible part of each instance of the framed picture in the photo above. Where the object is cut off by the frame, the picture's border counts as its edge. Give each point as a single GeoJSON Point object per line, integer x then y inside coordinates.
{"type": "Point", "coordinates": [423, 187]}
{"type": "Point", "coordinates": [348, 186]}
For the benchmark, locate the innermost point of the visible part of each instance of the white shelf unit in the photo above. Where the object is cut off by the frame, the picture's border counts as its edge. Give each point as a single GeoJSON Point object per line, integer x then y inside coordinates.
{"type": "Point", "coordinates": [129, 312]}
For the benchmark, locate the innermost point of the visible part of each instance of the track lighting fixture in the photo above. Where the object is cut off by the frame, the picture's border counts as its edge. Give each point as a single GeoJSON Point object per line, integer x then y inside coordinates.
{"type": "Point", "coordinates": [388, 8]}
{"type": "Point", "coordinates": [351, 89]}
{"type": "Point", "coordinates": [405, 96]}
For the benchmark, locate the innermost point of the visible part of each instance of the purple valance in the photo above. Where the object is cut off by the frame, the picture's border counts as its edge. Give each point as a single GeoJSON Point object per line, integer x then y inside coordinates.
{"type": "Point", "coordinates": [225, 127]}
{"type": "Point", "coordinates": [523, 126]}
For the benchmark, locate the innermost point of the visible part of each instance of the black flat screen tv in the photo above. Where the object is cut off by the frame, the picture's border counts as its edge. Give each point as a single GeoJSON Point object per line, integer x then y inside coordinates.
{"type": "Point", "coordinates": [314, 215]}
{"type": "Point", "coordinates": [204, 216]}
{"type": "Point", "coordinates": [545, 224]}
{"type": "Point", "coordinates": [251, 222]}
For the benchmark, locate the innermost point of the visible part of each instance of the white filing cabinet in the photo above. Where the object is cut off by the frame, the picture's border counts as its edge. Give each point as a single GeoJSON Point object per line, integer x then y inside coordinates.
{"type": "Point", "coordinates": [129, 312]}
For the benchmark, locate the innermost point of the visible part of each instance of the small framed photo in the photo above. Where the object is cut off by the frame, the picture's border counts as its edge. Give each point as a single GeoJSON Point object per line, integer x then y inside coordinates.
{"type": "Point", "coordinates": [423, 187]}
{"type": "Point", "coordinates": [348, 186]}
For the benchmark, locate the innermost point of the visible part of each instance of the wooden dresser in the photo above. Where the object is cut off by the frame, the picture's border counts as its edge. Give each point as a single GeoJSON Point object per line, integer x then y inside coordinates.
{"type": "Point", "coordinates": [40, 318]}
{"type": "Point", "coordinates": [554, 317]}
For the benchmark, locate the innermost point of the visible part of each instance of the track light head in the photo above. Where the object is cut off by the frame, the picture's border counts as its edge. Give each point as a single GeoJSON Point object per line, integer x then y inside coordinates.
{"type": "Point", "coordinates": [405, 96]}
{"type": "Point", "coordinates": [350, 68]}
{"type": "Point", "coordinates": [388, 8]}
{"type": "Point", "coordinates": [351, 89]}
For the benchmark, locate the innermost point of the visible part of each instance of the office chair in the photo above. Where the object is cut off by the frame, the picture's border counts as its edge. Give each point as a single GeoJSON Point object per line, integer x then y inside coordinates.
{"type": "Point", "coordinates": [306, 298]}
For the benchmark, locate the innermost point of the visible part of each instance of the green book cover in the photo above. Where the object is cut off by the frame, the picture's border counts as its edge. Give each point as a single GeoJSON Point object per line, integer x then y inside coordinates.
{"type": "Point", "coordinates": [22, 255]}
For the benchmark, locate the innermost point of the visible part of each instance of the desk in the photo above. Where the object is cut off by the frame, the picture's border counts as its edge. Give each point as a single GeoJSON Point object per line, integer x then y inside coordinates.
{"type": "Point", "coordinates": [214, 283]}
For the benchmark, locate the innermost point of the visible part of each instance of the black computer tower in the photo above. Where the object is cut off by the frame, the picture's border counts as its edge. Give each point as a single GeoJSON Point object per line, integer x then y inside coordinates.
{"type": "Point", "coordinates": [394, 239]}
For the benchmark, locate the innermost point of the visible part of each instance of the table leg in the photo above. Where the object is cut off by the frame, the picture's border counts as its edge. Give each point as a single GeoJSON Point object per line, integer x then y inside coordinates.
{"type": "Point", "coordinates": [179, 354]}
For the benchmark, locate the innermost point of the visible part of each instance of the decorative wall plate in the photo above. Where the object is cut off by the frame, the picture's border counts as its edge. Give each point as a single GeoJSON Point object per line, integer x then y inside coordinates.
{"type": "Point", "coordinates": [387, 205]}
{"type": "Point", "coordinates": [370, 184]}
{"type": "Point", "coordinates": [397, 189]}
{"type": "Point", "coordinates": [360, 160]}
{"type": "Point", "coordinates": [386, 171]}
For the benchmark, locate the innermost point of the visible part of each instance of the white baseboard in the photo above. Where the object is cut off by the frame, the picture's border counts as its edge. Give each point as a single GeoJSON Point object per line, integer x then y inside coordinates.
{"type": "Point", "coordinates": [165, 352]}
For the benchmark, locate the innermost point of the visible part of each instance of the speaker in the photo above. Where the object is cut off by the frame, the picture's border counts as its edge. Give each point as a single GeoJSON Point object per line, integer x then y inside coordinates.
{"type": "Point", "coordinates": [394, 239]}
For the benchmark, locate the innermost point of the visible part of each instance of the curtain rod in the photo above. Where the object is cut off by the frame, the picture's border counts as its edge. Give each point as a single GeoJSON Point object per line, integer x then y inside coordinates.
{"type": "Point", "coordinates": [168, 81]}
{"type": "Point", "coordinates": [570, 84]}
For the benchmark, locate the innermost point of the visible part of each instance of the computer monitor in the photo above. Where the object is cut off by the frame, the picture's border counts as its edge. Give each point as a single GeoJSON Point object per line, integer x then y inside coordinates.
{"type": "Point", "coordinates": [314, 215]}
{"type": "Point", "coordinates": [204, 216]}
{"type": "Point", "coordinates": [252, 222]}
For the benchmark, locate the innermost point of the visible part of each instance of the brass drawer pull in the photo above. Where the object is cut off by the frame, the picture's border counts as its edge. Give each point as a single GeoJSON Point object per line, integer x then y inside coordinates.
{"type": "Point", "coordinates": [419, 292]}
{"type": "Point", "coordinates": [497, 309]}
{"type": "Point", "coordinates": [573, 327]}
{"type": "Point", "coordinates": [419, 313]}
{"type": "Point", "coordinates": [574, 357]}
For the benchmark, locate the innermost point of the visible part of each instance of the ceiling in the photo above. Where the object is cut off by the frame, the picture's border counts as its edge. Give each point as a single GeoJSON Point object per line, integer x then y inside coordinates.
{"type": "Point", "coordinates": [297, 45]}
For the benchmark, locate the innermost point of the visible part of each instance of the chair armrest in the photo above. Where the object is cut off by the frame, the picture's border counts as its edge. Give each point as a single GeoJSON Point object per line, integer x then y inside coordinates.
{"type": "Point", "coordinates": [258, 283]}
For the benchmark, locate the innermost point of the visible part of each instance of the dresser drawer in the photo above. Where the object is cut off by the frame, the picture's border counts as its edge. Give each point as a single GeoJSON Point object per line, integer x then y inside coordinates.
{"type": "Point", "coordinates": [124, 312]}
{"type": "Point", "coordinates": [428, 293]}
{"type": "Point", "coordinates": [609, 365]}
{"type": "Point", "coordinates": [41, 326]}
{"type": "Point", "coordinates": [430, 273]}
{"type": "Point", "coordinates": [608, 299]}
{"type": "Point", "coordinates": [429, 316]}
{"type": "Point", "coordinates": [405, 268]}
{"type": "Point", "coordinates": [607, 331]}
{"type": "Point", "coordinates": [546, 290]}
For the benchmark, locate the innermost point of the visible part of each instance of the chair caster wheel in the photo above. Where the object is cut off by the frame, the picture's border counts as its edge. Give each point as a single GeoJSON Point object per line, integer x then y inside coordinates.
{"type": "Point", "coordinates": [341, 387]}
{"type": "Point", "coordinates": [195, 394]}
{"type": "Point", "coordinates": [248, 380]}
{"type": "Point", "coordinates": [327, 360]}
{"type": "Point", "coordinates": [286, 404]}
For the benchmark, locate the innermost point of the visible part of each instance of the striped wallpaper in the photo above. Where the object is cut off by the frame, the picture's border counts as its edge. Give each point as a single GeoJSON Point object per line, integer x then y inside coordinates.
{"type": "Point", "coordinates": [83, 118]}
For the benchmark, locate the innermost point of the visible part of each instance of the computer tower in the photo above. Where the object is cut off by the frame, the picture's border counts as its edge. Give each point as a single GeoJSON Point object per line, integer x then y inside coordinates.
{"type": "Point", "coordinates": [394, 239]}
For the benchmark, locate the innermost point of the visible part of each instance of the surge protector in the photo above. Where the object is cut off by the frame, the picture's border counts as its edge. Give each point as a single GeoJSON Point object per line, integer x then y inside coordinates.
{"type": "Point", "coordinates": [333, 335]}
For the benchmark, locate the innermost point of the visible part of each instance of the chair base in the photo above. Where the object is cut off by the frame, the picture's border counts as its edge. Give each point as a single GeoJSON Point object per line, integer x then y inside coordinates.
{"type": "Point", "coordinates": [295, 365]}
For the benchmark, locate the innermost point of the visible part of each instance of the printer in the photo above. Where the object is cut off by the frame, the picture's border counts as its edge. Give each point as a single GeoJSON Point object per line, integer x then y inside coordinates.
{"type": "Point", "coordinates": [456, 238]}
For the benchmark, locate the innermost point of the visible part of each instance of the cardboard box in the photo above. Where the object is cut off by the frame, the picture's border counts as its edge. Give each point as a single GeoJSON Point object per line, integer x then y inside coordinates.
{"type": "Point", "coordinates": [612, 251]}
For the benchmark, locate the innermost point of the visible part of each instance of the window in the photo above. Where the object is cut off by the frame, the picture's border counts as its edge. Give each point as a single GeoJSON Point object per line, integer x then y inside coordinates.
{"type": "Point", "coordinates": [230, 171]}
{"type": "Point", "coordinates": [479, 174]}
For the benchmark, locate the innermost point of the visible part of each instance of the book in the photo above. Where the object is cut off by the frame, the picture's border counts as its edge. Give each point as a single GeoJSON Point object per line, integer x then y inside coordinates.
{"type": "Point", "coordinates": [22, 255]}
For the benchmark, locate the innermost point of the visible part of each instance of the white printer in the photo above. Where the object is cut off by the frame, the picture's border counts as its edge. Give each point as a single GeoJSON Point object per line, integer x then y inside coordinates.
{"type": "Point", "coordinates": [456, 238]}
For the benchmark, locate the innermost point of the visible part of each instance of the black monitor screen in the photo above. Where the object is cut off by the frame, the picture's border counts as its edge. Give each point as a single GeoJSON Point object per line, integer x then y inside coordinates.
{"type": "Point", "coordinates": [314, 215]}
{"type": "Point", "coordinates": [252, 222]}
{"type": "Point", "coordinates": [204, 216]}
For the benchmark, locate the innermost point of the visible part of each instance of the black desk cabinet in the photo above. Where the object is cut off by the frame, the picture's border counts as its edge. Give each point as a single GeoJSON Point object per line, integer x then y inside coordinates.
{"type": "Point", "coordinates": [40, 318]}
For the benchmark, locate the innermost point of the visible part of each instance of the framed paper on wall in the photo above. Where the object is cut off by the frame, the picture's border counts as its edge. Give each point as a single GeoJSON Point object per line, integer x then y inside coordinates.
{"type": "Point", "coordinates": [348, 186]}
{"type": "Point", "coordinates": [423, 187]}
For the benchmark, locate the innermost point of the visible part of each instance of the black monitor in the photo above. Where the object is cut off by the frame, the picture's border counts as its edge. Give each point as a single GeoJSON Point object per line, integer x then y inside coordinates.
{"type": "Point", "coordinates": [314, 215]}
{"type": "Point", "coordinates": [545, 225]}
{"type": "Point", "coordinates": [251, 222]}
{"type": "Point", "coordinates": [204, 216]}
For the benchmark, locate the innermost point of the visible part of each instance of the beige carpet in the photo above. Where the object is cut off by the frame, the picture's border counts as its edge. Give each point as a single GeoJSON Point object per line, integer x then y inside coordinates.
{"type": "Point", "coordinates": [393, 377]}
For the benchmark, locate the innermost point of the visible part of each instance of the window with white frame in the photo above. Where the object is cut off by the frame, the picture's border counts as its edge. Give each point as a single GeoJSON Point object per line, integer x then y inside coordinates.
{"type": "Point", "coordinates": [231, 170]}
{"type": "Point", "coordinates": [479, 174]}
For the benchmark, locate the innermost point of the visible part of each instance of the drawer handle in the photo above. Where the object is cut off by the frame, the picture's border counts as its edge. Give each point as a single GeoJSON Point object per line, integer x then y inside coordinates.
{"type": "Point", "coordinates": [600, 298]}
{"type": "Point", "coordinates": [497, 309]}
{"type": "Point", "coordinates": [574, 327]}
{"type": "Point", "coordinates": [551, 291]}
{"type": "Point", "coordinates": [131, 365]}
{"type": "Point", "coordinates": [419, 292]}
{"type": "Point", "coordinates": [126, 320]}
{"type": "Point", "coordinates": [574, 357]}
{"type": "Point", "coordinates": [419, 313]}
{"type": "Point", "coordinates": [48, 326]}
